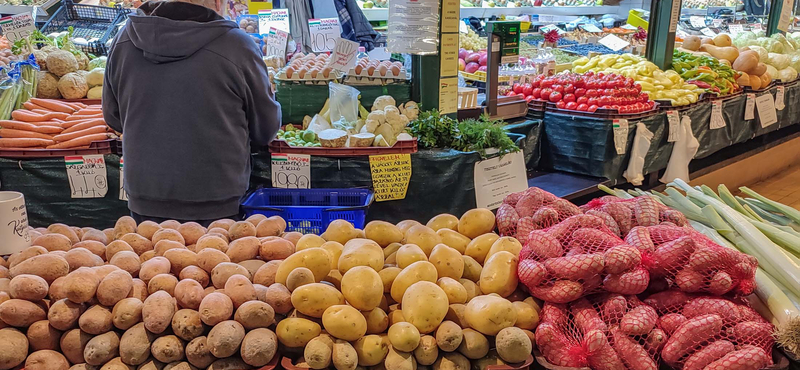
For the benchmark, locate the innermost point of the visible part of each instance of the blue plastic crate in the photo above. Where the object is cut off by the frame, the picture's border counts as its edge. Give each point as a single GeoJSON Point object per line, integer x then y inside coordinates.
{"type": "Point", "coordinates": [309, 211]}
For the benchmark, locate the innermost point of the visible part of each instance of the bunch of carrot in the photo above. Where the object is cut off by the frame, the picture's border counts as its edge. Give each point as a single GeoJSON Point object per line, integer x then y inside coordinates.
{"type": "Point", "coordinates": [53, 124]}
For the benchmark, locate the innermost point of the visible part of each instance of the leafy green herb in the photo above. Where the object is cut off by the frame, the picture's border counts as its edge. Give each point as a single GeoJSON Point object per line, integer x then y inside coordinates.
{"type": "Point", "coordinates": [433, 130]}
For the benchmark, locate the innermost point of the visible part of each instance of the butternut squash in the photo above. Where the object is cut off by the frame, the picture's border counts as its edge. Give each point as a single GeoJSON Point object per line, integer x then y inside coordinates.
{"type": "Point", "coordinates": [706, 41]}
{"type": "Point", "coordinates": [728, 52]}
{"type": "Point", "coordinates": [746, 61]}
{"type": "Point", "coordinates": [766, 79]}
{"type": "Point", "coordinates": [743, 80]}
{"type": "Point", "coordinates": [722, 40]}
{"type": "Point", "coordinates": [691, 43]}
{"type": "Point", "coordinates": [758, 70]}
{"type": "Point", "coordinates": [755, 82]}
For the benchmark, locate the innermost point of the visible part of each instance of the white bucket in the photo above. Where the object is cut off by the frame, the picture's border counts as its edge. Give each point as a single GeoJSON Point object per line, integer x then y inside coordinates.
{"type": "Point", "coordinates": [14, 235]}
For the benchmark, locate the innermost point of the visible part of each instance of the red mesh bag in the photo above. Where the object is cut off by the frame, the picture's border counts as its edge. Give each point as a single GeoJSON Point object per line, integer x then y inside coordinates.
{"type": "Point", "coordinates": [629, 213]}
{"type": "Point", "coordinates": [602, 332]}
{"type": "Point", "coordinates": [577, 257]}
{"type": "Point", "coordinates": [711, 333]}
{"type": "Point", "coordinates": [688, 260]}
{"type": "Point", "coordinates": [532, 209]}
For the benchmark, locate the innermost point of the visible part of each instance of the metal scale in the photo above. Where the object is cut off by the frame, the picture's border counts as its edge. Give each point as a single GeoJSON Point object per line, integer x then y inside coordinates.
{"type": "Point", "coordinates": [502, 48]}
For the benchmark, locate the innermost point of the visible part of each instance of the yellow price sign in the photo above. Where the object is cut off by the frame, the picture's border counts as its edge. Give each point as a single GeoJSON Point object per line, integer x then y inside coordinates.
{"type": "Point", "coordinates": [390, 175]}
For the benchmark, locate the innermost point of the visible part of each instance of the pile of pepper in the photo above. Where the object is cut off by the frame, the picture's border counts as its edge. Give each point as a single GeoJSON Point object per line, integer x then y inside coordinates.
{"type": "Point", "coordinates": [705, 72]}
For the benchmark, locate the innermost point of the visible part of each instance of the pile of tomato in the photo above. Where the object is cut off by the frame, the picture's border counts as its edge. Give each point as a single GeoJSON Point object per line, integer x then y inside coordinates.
{"type": "Point", "coordinates": [586, 92]}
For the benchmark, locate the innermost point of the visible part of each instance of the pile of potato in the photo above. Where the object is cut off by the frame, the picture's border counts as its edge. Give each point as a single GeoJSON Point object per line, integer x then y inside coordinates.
{"type": "Point", "coordinates": [181, 296]}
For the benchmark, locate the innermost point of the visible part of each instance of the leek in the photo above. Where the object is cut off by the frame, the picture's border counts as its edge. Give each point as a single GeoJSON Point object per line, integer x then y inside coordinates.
{"type": "Point", "coordinates": [782, 208]}
{"type": "Point", "coordinates": [766, 215]}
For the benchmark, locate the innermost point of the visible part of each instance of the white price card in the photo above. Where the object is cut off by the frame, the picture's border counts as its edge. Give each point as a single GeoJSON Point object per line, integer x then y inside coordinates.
{"type": "Point", "coordinates": [756, 27]}
{"type": "Point", "coordinates": [18, 26]}
{"type": "Point", "coordinates": [276, 42]}
{"type": "Point", "coordinates": [279, 18]}
{"type": "Point", "coordinates": [674, 120]}
{"type": "Point", "coordinates": [324, 33]}
{"type": "Point", "coordinates": [786, 16]}
{"type": "Point", "coordinates": [717, 119]}
{"type": "Point", "coordinates": [750, 106]}
{"type": "Point", "coordinates": [344, 55]}
{"type": "Point", "coordinates": [675, 15]}
{"type": "Point", "coordinates": [87, 176]}
{"type": "Point", "coordinates": [588, 27]}
{"type": "Point", "coordinates": [497, 177]}
{"type": "Point", "coordinates": [614, 43]}
{"type": "Point", "coordinates": [779, 102]}
{"type": "Point", "coordinates": [413, 26]}
{"type": "Point", "coordinates": [708, 32]}
{"type": "Point", "coordinates": [620, 135]}
{"type": "Point", "coordinates": [264, 17]}
{"type": "Point", "coordinates": [697, 21]}
{"type": "Point", "coordinates": [292, 171]}
{"type": "Point", "coordinates": [767, 114]}
{"type": "Point", "coordinates": [735, 29]}
{"type": "Point", "coordinates": [716, 22]}
{"type": "Point", "coordinates": [123, 195]}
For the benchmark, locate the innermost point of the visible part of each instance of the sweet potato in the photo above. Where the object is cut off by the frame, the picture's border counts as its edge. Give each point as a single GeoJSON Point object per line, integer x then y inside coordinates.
{"type": "Point", "coordinates": [585, 317]}
{"type": "Point", "coordinates": [562, 291]}
{"type": "Point", "coordinates": [633, 281]}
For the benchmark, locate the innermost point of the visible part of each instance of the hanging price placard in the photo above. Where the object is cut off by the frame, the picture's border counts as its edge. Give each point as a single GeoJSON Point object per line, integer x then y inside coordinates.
{"type": "Point", "coordinates": [717, 119]}
{"type": "Point", "coordinates": [292, 171]}
{"type": "Point", "coordinates": [17, 27]}
{"type": "Point", "coordinates": [324, 33]}
{"type": "Point", "coordinates": [674, 119]}
{"type": "Point", "coordinates": [87, 176]}
{"type": "Point", "coordinates": [620, 135]}
{"type": "Point", "coordinates": [276, 42]}
{"type": "Point", "coordinates": [779, 103]}
{"type": "Point", "coordinates": [766, 110]}
{"type": "Point", "coordinates": [697, 21]}
{"type": "Point", "coordinates": [750, 106]}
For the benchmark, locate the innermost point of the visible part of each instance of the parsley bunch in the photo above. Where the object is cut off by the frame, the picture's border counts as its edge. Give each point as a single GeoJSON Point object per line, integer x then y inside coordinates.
{"type": "Point", "coordinates": [433, 130]}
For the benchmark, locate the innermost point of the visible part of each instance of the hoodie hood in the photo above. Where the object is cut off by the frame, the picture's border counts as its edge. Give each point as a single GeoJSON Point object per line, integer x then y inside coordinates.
{"type": "Point", "coordinates": [171, 31]}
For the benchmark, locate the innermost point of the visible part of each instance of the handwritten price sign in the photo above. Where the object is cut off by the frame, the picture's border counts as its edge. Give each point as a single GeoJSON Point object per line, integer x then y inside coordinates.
{"type": "Point", "coordinates": [276, 42]}
{"type": "Point", "coordinates": [17, 26]}
{"type": "Point", "coordinates": [291, 171]}
{"type": "Point", "coordinates": [344, 55]}
{"type": "Point", "coordinates": [324, 33]}
{"type": "Point", "coordinates": [87, 176]}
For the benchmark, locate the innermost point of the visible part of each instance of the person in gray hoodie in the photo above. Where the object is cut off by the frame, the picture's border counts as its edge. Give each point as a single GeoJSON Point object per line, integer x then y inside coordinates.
{"type": "Point", "coordinates": [189, 92]}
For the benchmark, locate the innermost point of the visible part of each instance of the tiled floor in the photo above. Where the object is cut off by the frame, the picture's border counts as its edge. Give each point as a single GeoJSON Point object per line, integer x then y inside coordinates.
{"type": "Point", "coordinates": [784, 187]}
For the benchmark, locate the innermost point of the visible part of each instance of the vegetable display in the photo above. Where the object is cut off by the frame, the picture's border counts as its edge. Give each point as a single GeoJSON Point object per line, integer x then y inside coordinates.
{"type": "Point", "coordinates": [434, 130]}
{"type": "Point", "coordinates": [705, 72]}
{"type": "Point", "coordinates": [52, 124]}
{"type": "Point", "coordinates": [587, 92]}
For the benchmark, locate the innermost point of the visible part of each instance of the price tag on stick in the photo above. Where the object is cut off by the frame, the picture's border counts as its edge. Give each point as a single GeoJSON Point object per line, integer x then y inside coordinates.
{"type": "Point", "coordinates": [17, 27]}
{"type": "Point", "coordinates": [750, 106]}
{"type": "Point", "coordinates": [344, 55]}
{"type": "Point", "coordinates": [735, 29]}
{"type": "Point", "coordinates": [87, 176]}
{"type": "Point", "coordinates": [276, 42]}
{"type": "Point", "coordinates": [674, 119]}
{"type": "Point", "coordinates": [614, 43]}
{"type": "Point", "coordinates": [324, 33]}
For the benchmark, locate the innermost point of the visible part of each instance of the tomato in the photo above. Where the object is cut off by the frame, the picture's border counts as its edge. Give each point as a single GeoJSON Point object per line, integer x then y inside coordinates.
{"type": "Point", "coordinates": [630, 81]}
{"type": "Point", "coordinates": [558, 88]}
{"type": "Point", "coordinates": [527, 89]}
{"type": "Point", "coordinates": [589, 74]}
{"type": "Point", "coordinates": [545, 93]}
{"type": "Point", "coordinates": [555, 96]}
{"type": "Point", "coordinates": [583, 107]}
{"type": "Point", "coordinates": [623, 109]}
{"type": "Point", "coordinates": [536, 92]}
{"type": "Point", "coordinates": [572, 105]}
{"type": "Point", "coordinates": [609, 84]}
{"type": "Point", "coordinates": [604, 100]}
{"type": "Point", "coordinates": [569, 97]}
{"type": "Point", "coordinates": [601, 75]}
{"type": "Point", "coordinates": [535, 83]}
{"type": "Point", "coordinates": [569, 89]}
{"type": "Point", "coordinates": [510, 93]}
{"type": "Point", "coordinates": [582, 100]}
{"type": "Point", "coordinates": [593, 93]}
{"type": "Point", "coordinates": [546, 83]}
{"type": "Point", "coordinates": [561, 105]}
{"type": "Point", "coordinates": [580, 92]}
{"type": "Point", "coordinates": [529, 98]}
{"type": "Point", "coordinates": [610, 92]}
{"type": "Point", "coordinates": [593, 101]}
{"type": "Point", "coordinates": [517, 88]}
{"type": "Point", "coordinates": [579, 82]}
{"type": "Point", "coordinates": [592, 108]}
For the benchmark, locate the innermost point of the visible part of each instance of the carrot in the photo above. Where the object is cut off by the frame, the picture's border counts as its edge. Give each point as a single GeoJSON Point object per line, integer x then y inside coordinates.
{"type": "Point", "coordinates": [27, 116]}
{"type": "Point", "coordinates": [31, 106]}
{"type": "Point", "coordinates": [76, 117]}
{"type": "Point", "coordinates": [49, 129]}
{"type": "Point", "coordinates": [79, 133]}
{"type": "Point", "coordinates": [80, 141]}
{"type": "Point", "coordinates": [53, 105]}
{"type": "Point", "coordinates": [57, 115]}
{"type": "Point", "coordinates": [89, 111]}
{"type": "Point", "coordinates": [84, 125]}
{"type": "Point", "coordinates": [20, 142]}
{"type": "Point", "coordinates": [40, 111]}
{"type": "Point", "coordinates": [10, 132]}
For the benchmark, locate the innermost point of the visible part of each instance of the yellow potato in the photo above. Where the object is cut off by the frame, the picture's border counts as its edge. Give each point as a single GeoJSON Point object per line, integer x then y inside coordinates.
{"type": "Point", "coordinates": [408, 254]}
{"type": "Point", "coordinates": [388, 275]}
{"type": "Point", "coordinates": [472, 269]}
{"type": "Point", "coordinates": [424, 306]}
{"type": "Point", "coordinates": [335, 249]}
{"type": "Point", "coordinates": [383, 233]}
{"type": "Point", "coordinates": [309, 241]}
{"type": "Point", "coordinates": [361, 252]}
{"type": "Point", "coordinates": [396, 360]}
{"type": "Point", "coordinates": [377, 320]}
{"type": "Point", "coordinates": [499, 274]}
{"type": "Point", "coordinates": [505, 243]}
{"type": "Point", "coordinates": [340, 231]}
{"type": "Point", "coordinates": [406, 224]}
{"type": "Point", "coordinates": [427, 352]}
{"type": "Point", "coordinates": [527, 317]}
{"type": "Point", "coordinates": [391, 248]}
{"type": "Point", "coordinates": [296, 332]}
{"type": "Point", "coordinates": [456, 293]}
{"type": "Point", "coordinates": [422, 236]}
{"type": "Point", "coordinates": [443, 221]}
{"type": "Point", "coordinates": [362, 288]}
{"type": "Point", "coordinates": [448, 261]}
{"type": "Point", "coordinates": [480, 245]}
{"type": "Point", "coordinates": [489, 314]}
{"type": "Point", "coordinates": [453, 239]}
{"type": "Point", "coordinates": [417, 271]}
{"type": "Point", "coordinates": [344, 322]}
{"type": "Point", "coordinates": [317, 260]}
{"type": "Point", "coordinates": [473, 290]}
{"type": "Point", "coordinates": [404, 336]}
{"type": "Point", "coordinates": [371, 350]}
{"type": "Point", "coordinates": [314, 299]}
{"type": "Point", "coordinates": [476, 222]}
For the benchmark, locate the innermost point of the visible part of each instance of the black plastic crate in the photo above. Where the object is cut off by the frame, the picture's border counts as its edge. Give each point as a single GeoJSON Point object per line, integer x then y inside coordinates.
{"type": "Point", "coordinates": [88, 22]}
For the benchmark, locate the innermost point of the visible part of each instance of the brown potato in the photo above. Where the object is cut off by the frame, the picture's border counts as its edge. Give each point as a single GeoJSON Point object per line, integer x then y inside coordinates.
{"type": "Point", "coordinates": [241, 229]}
{"type": "Point", "coordinates": [116, 364]}
{"type": "Point", "coordinates": [208, 259]}
{"type": "Point", "coordinates": [279, 297]}
{"type": "Point", "coordinates": [165, 282]}
{"type": "Point", "coordinates": [139, 290]}
{"type": "Point", "coordinates": [240, 290]}
{"type": "Point", "coordinates": [242, 249]}
{"type": "Point", "coordinates": [298, 277]}
{"type": "Point", "coordinates": [256, 218]}
{"type": "Point", "coordinates": [157, 311]}
{"type": "Point", "coordinates": [197, 353]}
{"type": "Point", "coordinates": [195, 273]}
{"type": "Point", "coordinates": [96, 320]}
{"type": "Point", "coordinates": [164, 245]}
{"type": "Point", "coordinates": [180, 258]}
{"type": "Point", "coordinates": [128, 261]}
{"type": "Point", "coordinates": [189, 293]}
{"type": "Point", "coordinates": [21, 313]}
{"type": "Point", "coordinates": [47, 266]}
{"type": "Point", "coordinates": [127, 313]}
{"type": "Point", "coordinates": [187, 325]}
{"type": "Point", "coordinates": [167, 348]}
{"type": "Point", "coordinates": [72, 344]}
{"type": "Point", "coordinates": [259, 347]}
{"type": "Point", "coordinates": [225, 338]}
{"type": "Point", "coordinates": [81, 285]}
{"type": "Point", "coordinates": [168, 234]}
{"type": "Point", "coordinates": [146, 256]}
{"type": "Point", "coordinates": [153, 267]}
{"type": "Point", "coordinates": [124, 225]}
{"type": "Point", "coordinates": [275, 249]}
{"type": "Point", "coordinates": [114, 287]}
{"type": "Point", "coordinates": [215, 308]}
{"type": "Point", "coordinates": [4, 272]}
{"type": "Point", "coordinates": [53, 242]}
{"type": "Point", "coordinates": [97, 248]}
{"type": "Point", "coordinates": [28, 287]}
{"type": "Point", "coordinates": [170, 224]}
{"type": "Point", "coordinates": [103, 271]}
{"type": "Point", "coordinates": [92, 236]}
{"type": "Point", "coordinates": [82, 257]}
{"type": "Point", "coordinates": [224, 270]}
{"type": "Point", "coordinates": [252, 266]}
{"type": "Point", "coordinates": [101, 348]}
{"type": "Point", "coordinates": [43, 336]}
{"type": "Point", "coordinates": [265, 275]}
{"type": "Point", "coordinates": [292, 236]}
{"type": "Point", "coordinates": [117, 246]}
{"type": "Point", "coordinates": [272, 226]}
{"type": "Point", "coordinates": [46, 360]}
{"type": "Point", "coordinates": [254, 315]}
{"type": "Point", "coordinates": [191, 231]}
{"type": "Point", "coordinates": [24, 254]}
{"type": "Point", "coordinates": [64, 314]}
{"type": "Point", "coordinates": [213, 241]}
{"type": "Point", "coordinates": [261, 292]}
{"type": "Point", "coordinates": [139, 243]}
{"type": "Point", "coordinates": [65, 231]}
{"type": "Point", "coordinates": [147, 229]}
{"type": "Point", "coordinates": [220, 232]}
{"type": "Point", "coordinates": [15, 348]}
{"type": "Point", "coordinates": [134, 346]}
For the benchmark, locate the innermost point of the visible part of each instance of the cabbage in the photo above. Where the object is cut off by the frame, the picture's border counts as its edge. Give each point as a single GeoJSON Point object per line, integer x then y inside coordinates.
{"type": "Point", "coordinates": [787, 46]}
{"type": "Point", "coordinates": [99, 62]}
{"type": "Point", "coordinates": [763, 54]}
{"type": "Point", "coordinates": [773, 73]}
{"type": "Point", "coordinates": [779, 61]}
{"type": "Point", "coordinates": [743, 39]}
{"type": "Point", "coordinates": [772, 45]}
{"type": "Point", "coordinates": [95, 77]}
{"type": "Point", "coordinates": [787, 74]}
{"type": "Point", "coordinates": [794, 61]}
